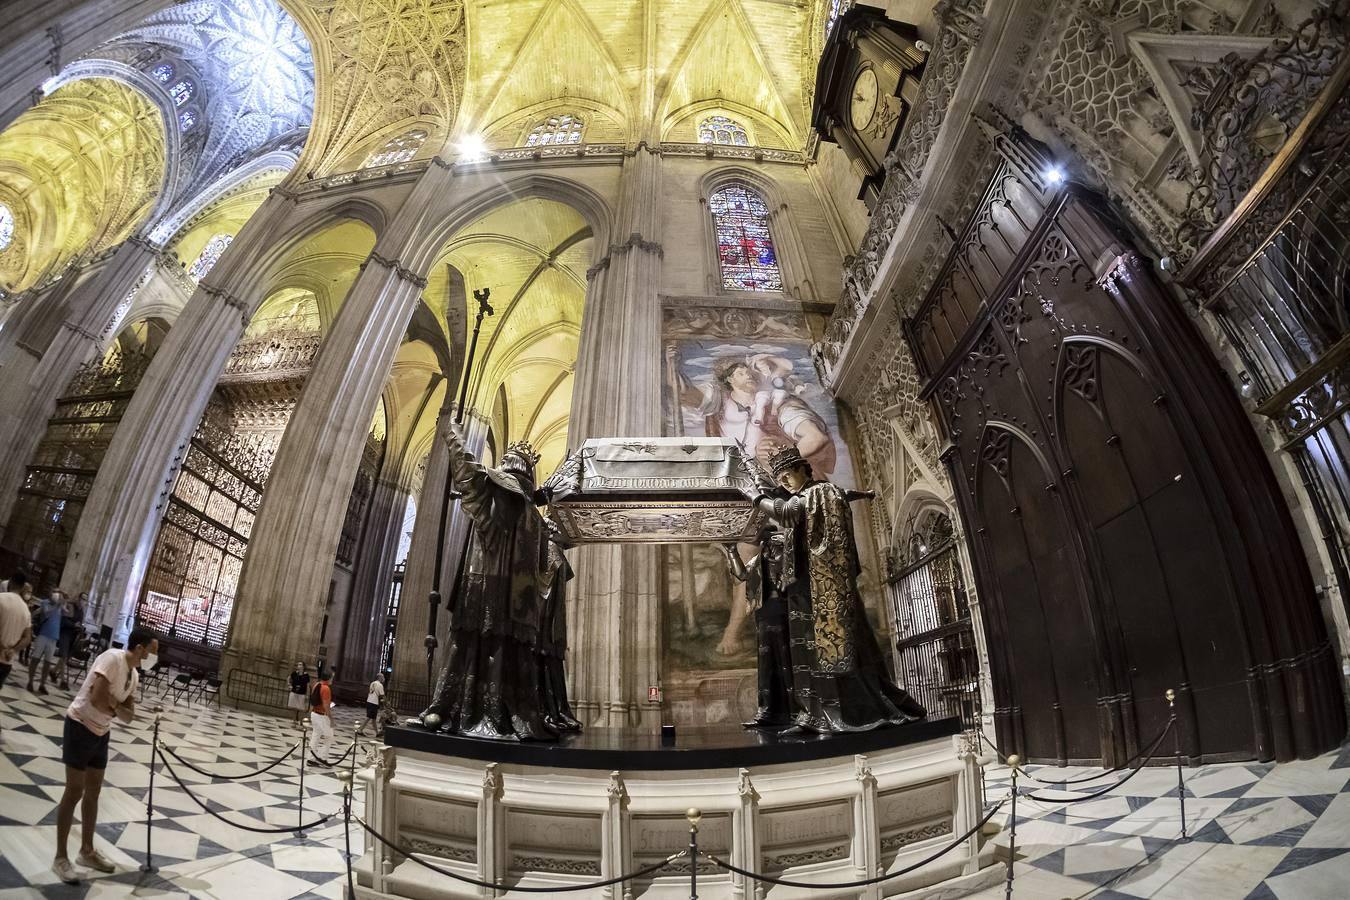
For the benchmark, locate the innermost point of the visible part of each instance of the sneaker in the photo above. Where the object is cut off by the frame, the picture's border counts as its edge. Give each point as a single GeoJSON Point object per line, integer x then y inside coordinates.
{"type": "Point", "coordinates": [96, 861]}
{"type": "Point", "coordinates": [63, 870]}
{"type": "Point", "coordinates": [42, 689]}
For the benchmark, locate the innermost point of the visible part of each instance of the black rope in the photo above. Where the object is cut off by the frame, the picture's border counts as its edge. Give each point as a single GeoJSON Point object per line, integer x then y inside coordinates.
{"type": "Point", "coordinates": [1120, 768]}
{"type": "Point", "coordinates": [839, 885]}
{"type": "Point", "coordinates": [272, 765]}
{"type": "Point", "coordinates": [290, 829]}
{"type": "Point", "coordinates": [1110, 787]}
{"type": "Point", "coordinates": [323, 762]}
{"type": "Point", "coordinates": [647, 870]}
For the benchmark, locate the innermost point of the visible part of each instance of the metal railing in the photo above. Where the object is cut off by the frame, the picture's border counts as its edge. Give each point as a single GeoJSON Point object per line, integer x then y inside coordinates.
{"type": "Point", "coordinates": [1276, 280]}
{"type": "Point", "coordinates": [242, 686]}
{"type": "Point", "coordinates": [938, 661]}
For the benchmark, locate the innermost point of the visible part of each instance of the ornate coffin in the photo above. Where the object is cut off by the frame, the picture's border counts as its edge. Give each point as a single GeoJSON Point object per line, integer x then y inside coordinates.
{"type": "Point", "coordinates": [654, 491]}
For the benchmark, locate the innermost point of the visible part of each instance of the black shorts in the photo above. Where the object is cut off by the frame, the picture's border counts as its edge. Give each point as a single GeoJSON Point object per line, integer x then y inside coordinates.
{"type": "Point", "coordinates": [372, 710]}
{"type": "Point", "coordinates": [5, 669]}
{"type": "Point", "coordinates": [82, 749]}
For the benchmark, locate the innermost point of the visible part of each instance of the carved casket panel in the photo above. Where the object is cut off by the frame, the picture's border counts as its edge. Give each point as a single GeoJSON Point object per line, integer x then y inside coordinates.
{"type": "Point", "coordinates": [655, 491]}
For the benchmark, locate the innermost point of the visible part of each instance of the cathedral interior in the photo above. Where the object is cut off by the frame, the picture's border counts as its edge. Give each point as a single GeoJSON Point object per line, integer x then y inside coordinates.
{"type": "Point", "coordinates": [1062, 283]}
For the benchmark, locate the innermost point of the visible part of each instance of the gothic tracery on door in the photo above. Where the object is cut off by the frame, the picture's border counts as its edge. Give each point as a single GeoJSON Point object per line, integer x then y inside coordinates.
{"type": "Point", "coordinates": [1114, 494]}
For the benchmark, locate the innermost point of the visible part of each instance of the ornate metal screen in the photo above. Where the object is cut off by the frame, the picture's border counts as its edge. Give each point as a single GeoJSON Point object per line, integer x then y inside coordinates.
{"type": "Point", "coordinates": [391, 618]}
{"type": "Point", "coordinates": [194, 569]}
{"type": "Point", "coordinates": [1275, 280]}
{"type": "Point", "coordinates": [62, 471]}
{"type": "Point", "coordinates": [938, 661]}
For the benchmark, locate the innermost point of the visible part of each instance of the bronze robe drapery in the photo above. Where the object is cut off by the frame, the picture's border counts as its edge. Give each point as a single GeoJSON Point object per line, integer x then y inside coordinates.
{"type": "Point", "coordinates": [840, 682]}
{"type": "Point", "coordinates": [490, 686]}
{"type": "Point", "coordinates": [552, 652]}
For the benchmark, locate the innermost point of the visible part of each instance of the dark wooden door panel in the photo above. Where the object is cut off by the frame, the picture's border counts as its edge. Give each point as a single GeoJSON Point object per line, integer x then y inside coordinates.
{"type": "Point", "coordinates": [1127, 535]}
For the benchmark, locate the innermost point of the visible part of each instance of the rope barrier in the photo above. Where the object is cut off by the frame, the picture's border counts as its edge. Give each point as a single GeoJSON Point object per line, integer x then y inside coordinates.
{"type": "Point", "coordinates": [1120, 768]}
{"type": "Point", "coordinates": [269, 767]}
{"type": "Point", "coordinates": [1110, 787]}
{"type": "Point", "coordinates": [840, 885]}
{"type": "Point", "coordinates": [326, 763]}
{"type": "Point", "coordinates": [256, 830]}
{"type": "Point", "coordinates": [647, 870]}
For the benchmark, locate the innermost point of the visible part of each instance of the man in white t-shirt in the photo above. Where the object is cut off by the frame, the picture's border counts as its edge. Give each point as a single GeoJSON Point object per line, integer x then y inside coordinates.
{"type": "Point", "coordinates": [374, 697]}
{"type": "Point", "coordinates": [16, 625]}
{"type": "Point", "coordinates": [108, 692]}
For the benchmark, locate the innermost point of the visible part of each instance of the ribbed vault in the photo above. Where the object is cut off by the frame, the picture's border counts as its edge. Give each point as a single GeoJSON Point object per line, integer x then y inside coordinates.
{"type": "Point", "coordinates": [80, 172]}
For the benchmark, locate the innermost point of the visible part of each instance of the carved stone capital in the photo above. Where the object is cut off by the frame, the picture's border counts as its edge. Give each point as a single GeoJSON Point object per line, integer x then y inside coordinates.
{"type": "Point", "coordinates": [616, 790]}
{"type": "Point", "coordinates": [492, 782]}
{"type": "Point", "coordinates": [397, 268]}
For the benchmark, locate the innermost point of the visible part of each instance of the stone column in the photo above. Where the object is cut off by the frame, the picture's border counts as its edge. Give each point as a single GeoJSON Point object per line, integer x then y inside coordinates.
{"type": "Point", "coordinates": [47, 344]}
{"type": "Point", "coordinates": [410, 668]}
{"type": "Point", "coordinates": [286, 573]}
{"type": "Point", "coordinates": [866, 834]}
{"type": "Point", "coordinates": [358, 654]}
{"type": "Point", "coordinates": [37, 37]}
{"type": "Point", "coordinates": [615, 639]}
{"type": "Point", "coordinates": [117, 529]}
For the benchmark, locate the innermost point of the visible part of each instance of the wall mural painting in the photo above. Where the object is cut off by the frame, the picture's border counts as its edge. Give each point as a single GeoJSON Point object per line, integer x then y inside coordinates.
{"type": "Point", "coordinates": [745, 374]}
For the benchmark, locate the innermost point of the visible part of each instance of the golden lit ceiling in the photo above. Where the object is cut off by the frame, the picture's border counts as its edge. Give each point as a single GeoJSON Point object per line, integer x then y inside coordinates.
{"type": "Point", "coordinates": [79, 171]}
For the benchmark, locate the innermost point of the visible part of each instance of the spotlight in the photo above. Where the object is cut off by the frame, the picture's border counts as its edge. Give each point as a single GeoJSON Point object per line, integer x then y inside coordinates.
{"type": "Point", "coordinates": [472, 148]}
{"type": "Point", "coordinates": [923, 548]}
{"type": "Point", "coordinates": [1054, 175]}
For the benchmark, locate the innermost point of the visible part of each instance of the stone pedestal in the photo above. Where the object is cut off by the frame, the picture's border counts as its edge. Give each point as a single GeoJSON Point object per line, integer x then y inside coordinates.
{"type": "Point", "coordinates": [831, 819]}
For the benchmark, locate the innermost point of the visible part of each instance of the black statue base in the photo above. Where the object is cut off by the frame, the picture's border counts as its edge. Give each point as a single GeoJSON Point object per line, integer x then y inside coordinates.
{"type": "Point", "coordinates": [633, 749]}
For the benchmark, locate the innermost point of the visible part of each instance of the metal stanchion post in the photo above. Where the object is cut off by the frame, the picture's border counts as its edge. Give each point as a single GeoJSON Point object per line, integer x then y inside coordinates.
{"type": "Point", "coordinates": [694, 815]}
{"type": "Point", "coordinates": [148, 866]}
{"type": "Point", "coordinates": [1171, 696]}
{"type": "Point", "coordinates": [304, 760]}
{"type": "Point", "coordinates": [346, 779]}
{"type": "Point", "coordinates": [1013, 761]}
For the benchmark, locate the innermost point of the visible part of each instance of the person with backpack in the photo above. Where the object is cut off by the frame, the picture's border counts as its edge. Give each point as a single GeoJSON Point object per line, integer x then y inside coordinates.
{"type": "Point", "coordinates": [46, 636]}
{"type": "Point", "coordinates": [321, 715]}
{"type": "Point", "coordinates": [72, 622]}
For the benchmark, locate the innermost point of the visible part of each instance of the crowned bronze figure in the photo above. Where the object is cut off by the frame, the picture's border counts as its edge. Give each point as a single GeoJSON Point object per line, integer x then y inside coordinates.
{"type": "Point", "coordinates": [839, 678]}
{"type": "Point", "coordinates": [492, 684]}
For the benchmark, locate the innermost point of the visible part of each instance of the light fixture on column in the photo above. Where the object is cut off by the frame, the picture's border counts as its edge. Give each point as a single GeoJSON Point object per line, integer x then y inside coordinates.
{"type": "Point", "coordinates": [1055, 175]}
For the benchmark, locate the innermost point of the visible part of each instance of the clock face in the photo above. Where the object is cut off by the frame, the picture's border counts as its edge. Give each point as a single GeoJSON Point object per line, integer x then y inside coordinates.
{"type": "Point", "coordinates": [864, 102]}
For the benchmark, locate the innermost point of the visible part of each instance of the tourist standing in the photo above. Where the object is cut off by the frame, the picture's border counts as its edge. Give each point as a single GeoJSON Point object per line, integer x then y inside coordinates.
{"type": "Point", "coordinates": [16, 626]}
{"type": "Point", "coordinates": [321, 716]}
{"type": "Point", "coordinates": [72, 620]}
{"type": "Point", "coordinates": [297, 700]}
{"type": "Point", "coordinates": [46, 636]}
{"type": "Point", "coordinates": [374, 697]}
{"type": "Point", "coordinates": [108, 692]}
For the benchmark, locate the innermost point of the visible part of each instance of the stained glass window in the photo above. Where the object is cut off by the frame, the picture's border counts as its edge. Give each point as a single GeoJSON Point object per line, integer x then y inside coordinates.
{"type": "Point", "coordinates": [721, 130]}
{"type": "Point", "coordinates": [836, 7]}
{"type": "Point", "coordinates": [210, 255]}
{"type": "Point", "coordinates": [556, 130]}
{"type": "Point", "coordinates": [745, 249]}
{"type": "Point", "coordinates": [186, 119]}
{"type": "Point", "coordinates": [181, 92]}
{"type": "Point", "coordinates": [397, 149]}
{"type": "Point", "coordinates": [162, 72]}
{"type": "Point", "coordinates": [6, 226]}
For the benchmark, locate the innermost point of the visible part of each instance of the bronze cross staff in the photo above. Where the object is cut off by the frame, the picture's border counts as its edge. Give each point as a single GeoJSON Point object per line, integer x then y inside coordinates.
{"type": "Point", "coordinates": [434, 599]}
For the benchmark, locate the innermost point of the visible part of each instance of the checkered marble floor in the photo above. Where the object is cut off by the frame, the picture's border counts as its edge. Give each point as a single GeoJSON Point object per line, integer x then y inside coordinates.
{"type": "Point", "coordinates": [1257, 832]}
{"type": "Point", "coordinates": [198, 855]}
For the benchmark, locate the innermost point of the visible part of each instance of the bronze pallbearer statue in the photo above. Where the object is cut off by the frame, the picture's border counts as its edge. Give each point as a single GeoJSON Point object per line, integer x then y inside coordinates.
{"type": "Point", "coordinates": [493, 684]}
{"type": "Point", "coordinates": [839, 679]}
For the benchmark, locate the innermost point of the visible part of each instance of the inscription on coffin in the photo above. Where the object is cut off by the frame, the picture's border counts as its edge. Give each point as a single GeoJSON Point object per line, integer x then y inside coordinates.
{"type": "Point", "coordinates": [915, 804]}
{"type": "Point", "coordinates": [658, 836]}
{"type": "Point", "coordinates": [438, 816]}
{"type": "Point", "coordinates": [786, 827]}
{"type": "Point", "coordinates": [552, 831]}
